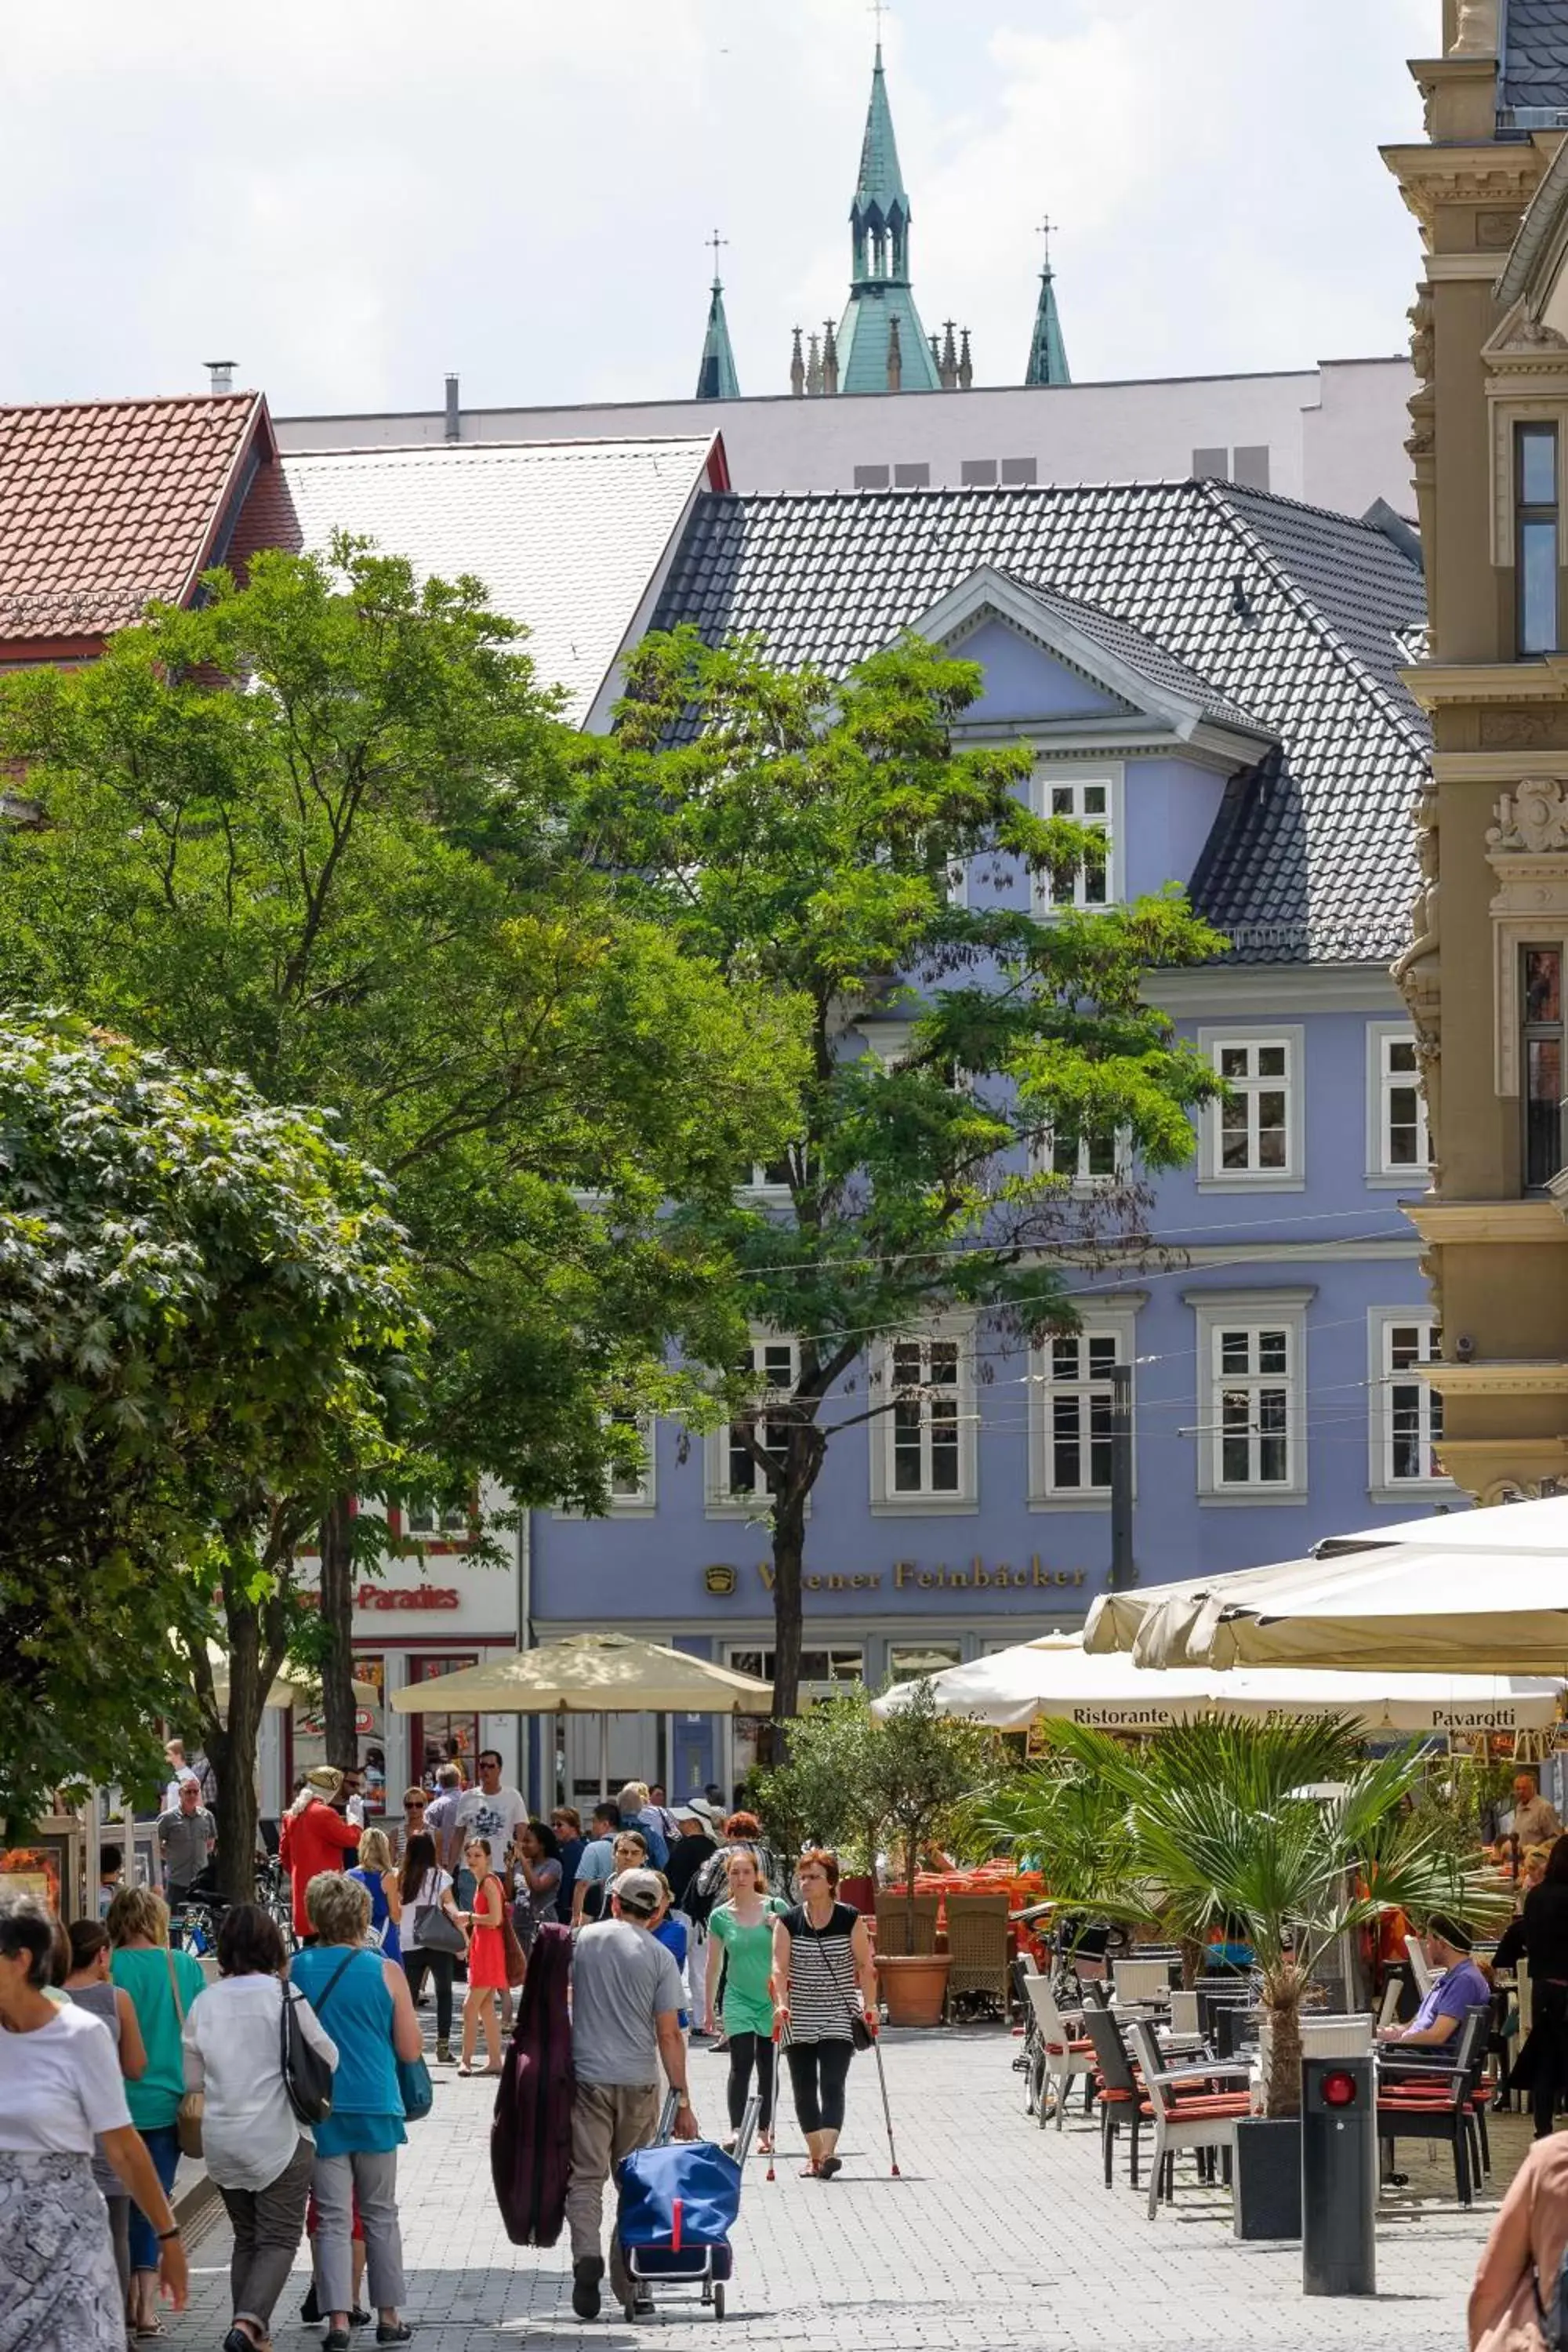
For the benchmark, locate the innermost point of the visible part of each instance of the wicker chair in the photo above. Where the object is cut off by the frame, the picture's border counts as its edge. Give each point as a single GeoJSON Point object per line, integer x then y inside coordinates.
{"type": "Point", "coordinates": [893, 1925]}
{"type": "Point", "coordinates": [979, 1949]}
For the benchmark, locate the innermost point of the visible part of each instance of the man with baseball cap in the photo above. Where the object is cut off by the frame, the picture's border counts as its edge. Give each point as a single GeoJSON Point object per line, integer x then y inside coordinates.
{"type": "Point", "coordinates": [627, 1997]}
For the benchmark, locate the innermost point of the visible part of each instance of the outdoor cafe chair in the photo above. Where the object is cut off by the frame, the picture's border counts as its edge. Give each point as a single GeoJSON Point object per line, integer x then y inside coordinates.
{"type": "Point", "coordinates": [893, 1923]}
{"type": "Point", "coordinates": [1120, 2093]}
{"type": "Point", "coordinates": [1419, 2100]}
{"type": "Point", "coordinates": [1142, 1980]}
{"type": "Point", "coordinates": [1187, 2111]}
{"type": "Point", "coordinates": [979, 1949]}
{"type": "Point", "coordinates": [1067, 2055]}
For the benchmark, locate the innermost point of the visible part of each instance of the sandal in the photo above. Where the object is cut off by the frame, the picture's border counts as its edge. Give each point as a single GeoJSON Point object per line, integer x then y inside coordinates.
{"type": "Point", "coordinates": [764, 2143]}
{"type": "Point", "coordinates": [809, 2171]}
{"type": "Point", "coordinates": [829, 2165]}
{"type": "Point", "coordinates": [464, 2067]}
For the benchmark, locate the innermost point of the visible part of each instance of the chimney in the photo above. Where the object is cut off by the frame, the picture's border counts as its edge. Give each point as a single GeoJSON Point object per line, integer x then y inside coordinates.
{"type": "Point", "coordinates": [797, 369]}
{"type": "Point", "coordinates": [453, 411]}
{"type": "Point", "coordinates": [221, 372]}
{"type": "Point", "coordinates": [829, 358]}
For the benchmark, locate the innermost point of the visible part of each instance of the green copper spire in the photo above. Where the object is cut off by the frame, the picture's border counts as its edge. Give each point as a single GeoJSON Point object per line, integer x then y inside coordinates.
{"type": "Point", "coordinates": [716, 377]}
{"type": "Point", "coordinates": [879, 266]}
{"type": "Point", "coordinates": [1047, 352]}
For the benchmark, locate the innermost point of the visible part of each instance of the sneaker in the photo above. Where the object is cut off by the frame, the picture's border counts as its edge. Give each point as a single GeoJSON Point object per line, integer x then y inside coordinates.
{"type": "Point", "coordinates": [586, 2272]}
{"type": "Point", "coordinates": [443, 2054]}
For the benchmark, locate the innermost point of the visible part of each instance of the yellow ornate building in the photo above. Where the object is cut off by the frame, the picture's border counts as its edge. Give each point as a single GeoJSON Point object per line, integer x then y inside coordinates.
{"type": "Point", "coordinates": [1485, 972]}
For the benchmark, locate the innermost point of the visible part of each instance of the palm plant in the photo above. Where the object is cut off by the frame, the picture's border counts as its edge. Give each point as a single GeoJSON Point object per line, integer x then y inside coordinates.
{"type": "Point", "coordinates": [1280, 1833]}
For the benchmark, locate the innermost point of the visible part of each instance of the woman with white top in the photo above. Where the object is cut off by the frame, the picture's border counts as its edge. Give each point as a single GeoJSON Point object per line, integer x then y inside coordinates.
{"type": "Point", "coordinates": [59, 2085]}
{"type": "Point", "coordinates": [90, 1986]}
{"type": "Point", "coordinates": [256, 2150]}
{"type": "Point", "coordinates": [424, 1889]}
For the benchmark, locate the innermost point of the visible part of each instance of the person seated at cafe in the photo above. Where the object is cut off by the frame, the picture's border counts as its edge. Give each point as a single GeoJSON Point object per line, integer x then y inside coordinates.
{"type": "Point", "coordinates": [1535, 1820]}
{"type": "Point", "coordinates": [1460, 1988]}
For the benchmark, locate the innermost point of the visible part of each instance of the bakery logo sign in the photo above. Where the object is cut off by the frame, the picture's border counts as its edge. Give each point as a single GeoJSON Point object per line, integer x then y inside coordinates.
{"type": "Point", "coordinates": [721, 1579]}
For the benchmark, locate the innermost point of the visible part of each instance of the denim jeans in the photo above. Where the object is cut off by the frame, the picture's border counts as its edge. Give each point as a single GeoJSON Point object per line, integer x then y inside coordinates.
{"type": "Point", "coordinates": [162, 2145]}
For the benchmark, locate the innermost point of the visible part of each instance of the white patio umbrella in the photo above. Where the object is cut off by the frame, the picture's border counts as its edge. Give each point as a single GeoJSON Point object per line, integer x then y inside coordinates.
{"type": "Point", "coordinates": [294, 1686]}
{"type": "Point", "coordinates": [1057, 1678]}
{"type": "Point", "coordinates": [592, 1673]}
{"type": "Point", "coordinates": [1502, 1526]}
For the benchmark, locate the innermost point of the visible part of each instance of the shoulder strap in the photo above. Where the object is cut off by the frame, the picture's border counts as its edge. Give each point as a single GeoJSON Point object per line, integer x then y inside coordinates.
{"type": "Point", "coordinates": [174, 1986]}
{"type": "Point", "coordinates": [327, 1989]}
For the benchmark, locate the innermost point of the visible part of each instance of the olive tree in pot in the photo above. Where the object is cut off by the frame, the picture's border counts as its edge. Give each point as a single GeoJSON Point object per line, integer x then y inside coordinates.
{"type": "Point", "coordinates": [821, 1795]}
{"type": "Point", "coordinates": [923, 1771]}
{"type": "Point", "coordinates": [1287, 1838]}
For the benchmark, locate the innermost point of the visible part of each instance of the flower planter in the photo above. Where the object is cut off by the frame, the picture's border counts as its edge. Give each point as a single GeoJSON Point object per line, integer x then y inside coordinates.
{"type": "Point", "coordinates": [1266, 2196]}
{"type": "Point", "coordinates": [913, 1986]}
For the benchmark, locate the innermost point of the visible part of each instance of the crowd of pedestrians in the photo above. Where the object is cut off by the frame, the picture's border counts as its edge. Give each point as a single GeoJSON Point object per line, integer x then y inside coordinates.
{"type": "Point", "coordinates": [120, 2050]}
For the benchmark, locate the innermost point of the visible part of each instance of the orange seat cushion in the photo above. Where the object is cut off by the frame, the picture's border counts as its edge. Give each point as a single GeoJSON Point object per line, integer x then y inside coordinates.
{"type": "Point", "coordinates": [1217, 2103]}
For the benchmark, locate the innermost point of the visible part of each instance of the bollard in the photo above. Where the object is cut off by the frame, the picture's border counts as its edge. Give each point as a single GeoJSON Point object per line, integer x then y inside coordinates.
{"type": "Point", "coordinates": [1338, 2176]}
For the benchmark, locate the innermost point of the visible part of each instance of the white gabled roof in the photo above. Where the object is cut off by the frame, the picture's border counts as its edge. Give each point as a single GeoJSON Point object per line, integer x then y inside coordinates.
{"type": "Point", "coordinates": [569, 537]}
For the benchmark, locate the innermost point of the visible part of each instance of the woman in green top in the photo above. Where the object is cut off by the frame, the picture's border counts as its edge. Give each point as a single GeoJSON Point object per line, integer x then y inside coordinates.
{"type": "Point", "coordinates": [161, 1985]}
{"type": "Point", "coordinates": [741, 1934]}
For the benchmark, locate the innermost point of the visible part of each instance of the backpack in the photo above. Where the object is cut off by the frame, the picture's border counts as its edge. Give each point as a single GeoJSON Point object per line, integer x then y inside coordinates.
{"type": "Point", "coordinates": [530, 2137]}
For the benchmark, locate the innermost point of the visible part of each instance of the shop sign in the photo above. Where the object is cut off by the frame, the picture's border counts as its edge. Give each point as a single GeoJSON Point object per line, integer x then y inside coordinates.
{"type": "Point", "coordinates": [407, 1596]}
{"type": "Point", "coordinates": [909, 1576]}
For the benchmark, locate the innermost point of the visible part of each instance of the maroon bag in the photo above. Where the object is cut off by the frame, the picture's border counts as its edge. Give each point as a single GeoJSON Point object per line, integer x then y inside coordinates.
{"type": "Point", "coordinates": [530, 2137]}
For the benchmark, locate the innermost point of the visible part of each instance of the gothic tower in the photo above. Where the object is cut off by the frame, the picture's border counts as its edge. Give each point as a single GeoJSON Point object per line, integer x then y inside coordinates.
{"type": "Point", "coordinates": [716, 377]}
{"type": "Point", "coordinates": [1047, 352]}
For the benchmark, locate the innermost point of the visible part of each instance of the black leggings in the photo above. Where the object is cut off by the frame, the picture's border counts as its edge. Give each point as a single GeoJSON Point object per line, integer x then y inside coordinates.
{"type": "Point", "coordinates": [440, 1965]}
{"type": "Point", "coordinates": [817, 2073]}
{"type": "Point", "coordinates": [746, 2051]}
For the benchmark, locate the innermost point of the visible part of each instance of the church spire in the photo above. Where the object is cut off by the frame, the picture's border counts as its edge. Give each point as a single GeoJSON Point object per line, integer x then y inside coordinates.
{"type": "Point", "coordinates": [1047, 352]}
{"type": "Point", "coordinates": [716, 377]}
{"type": "Point", "coordinates": [879, 288]}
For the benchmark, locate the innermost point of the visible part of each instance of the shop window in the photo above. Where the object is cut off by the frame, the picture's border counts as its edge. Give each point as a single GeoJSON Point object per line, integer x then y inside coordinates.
{"type": "Point", "coordinates": [907, 1661]}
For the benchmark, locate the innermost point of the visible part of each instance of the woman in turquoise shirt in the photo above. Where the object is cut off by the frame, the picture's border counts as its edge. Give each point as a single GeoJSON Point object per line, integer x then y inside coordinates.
{"type": "Point", "coordinates": [161, 1985]}
{"type": "Point", "coordinates": [370, 2015]}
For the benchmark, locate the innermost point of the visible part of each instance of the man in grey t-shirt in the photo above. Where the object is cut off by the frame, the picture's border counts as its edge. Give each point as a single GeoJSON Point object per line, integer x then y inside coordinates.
{"type": "Point", "coordinates": [627, 1997]}
{"type": "Point", "coordinates": [186, 1834]}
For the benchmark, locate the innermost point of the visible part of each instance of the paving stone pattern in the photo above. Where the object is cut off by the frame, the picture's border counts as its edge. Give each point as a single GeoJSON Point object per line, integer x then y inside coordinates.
{"type": "Point", "coordinates": [998, 2235]}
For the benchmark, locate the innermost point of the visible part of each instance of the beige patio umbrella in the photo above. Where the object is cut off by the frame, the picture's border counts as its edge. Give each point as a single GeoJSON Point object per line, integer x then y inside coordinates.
{"type": "Point", "coordinates": [592, 1673]}
{"type": "Point", "coordinates": [294, 1686]}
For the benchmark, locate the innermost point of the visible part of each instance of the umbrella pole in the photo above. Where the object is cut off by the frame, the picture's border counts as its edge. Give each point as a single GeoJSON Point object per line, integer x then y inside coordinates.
{"type": "Point", "coordinates": [604, 1756]}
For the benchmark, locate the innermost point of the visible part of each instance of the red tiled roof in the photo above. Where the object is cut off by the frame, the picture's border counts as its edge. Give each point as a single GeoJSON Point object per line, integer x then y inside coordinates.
{"type": "Point", "coordinates": [105, 505]}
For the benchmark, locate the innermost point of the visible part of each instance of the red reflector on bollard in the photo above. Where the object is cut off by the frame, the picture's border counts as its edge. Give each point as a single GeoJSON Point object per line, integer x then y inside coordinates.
{"type": "Point", "coordinates": [1339, 2090]}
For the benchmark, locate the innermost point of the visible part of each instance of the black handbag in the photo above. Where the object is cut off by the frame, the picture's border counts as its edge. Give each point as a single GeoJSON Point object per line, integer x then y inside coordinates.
{"type": "Point", "coordinates": [307, 2076]}
{"type": "Point", "coordinates": [436, 1931]}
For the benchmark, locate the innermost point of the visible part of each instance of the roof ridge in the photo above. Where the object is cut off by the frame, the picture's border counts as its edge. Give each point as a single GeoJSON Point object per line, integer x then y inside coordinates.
{"type": "Point", "coordinates": [134, 400]}
{"type": "Point", "coordinates": [1214, 495]}
{"type": "Point", "coordinates": [600, 442]}
{"type": "Point", "coordinates": [1299, 506]}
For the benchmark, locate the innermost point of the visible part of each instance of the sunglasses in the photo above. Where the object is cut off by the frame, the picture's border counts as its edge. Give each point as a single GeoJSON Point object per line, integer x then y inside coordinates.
{"type": "Point", "coordinates": [413, 1804]}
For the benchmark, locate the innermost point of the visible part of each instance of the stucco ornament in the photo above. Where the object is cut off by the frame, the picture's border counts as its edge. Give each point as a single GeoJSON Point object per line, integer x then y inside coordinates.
{"type": "Point", "coordinates": [1532, 819]}
{"type": "Point", "coordinates": [1476, 32]}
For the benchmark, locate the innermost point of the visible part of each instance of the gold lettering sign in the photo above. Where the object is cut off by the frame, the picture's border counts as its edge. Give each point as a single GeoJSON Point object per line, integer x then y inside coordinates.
{"type": "Point", "coordinates": [909, 1576]}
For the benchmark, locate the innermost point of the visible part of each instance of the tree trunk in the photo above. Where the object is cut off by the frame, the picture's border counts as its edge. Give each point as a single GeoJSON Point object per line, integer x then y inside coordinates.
{"type": "Point", "coordinates": [337, 1619]}
{"type": "Point", "coordinates": [1282, 2067]}
{"type": "Point", "coordinates": [231, 1739]}
{"type": "Point", "coordinates": [789, 1564]}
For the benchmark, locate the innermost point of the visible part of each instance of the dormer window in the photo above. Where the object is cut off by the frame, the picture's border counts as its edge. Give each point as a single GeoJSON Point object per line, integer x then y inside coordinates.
{"type": "Point", "coordinates": [1535, 507]}
{"type": "Point", "coordinates": [1092, 798]}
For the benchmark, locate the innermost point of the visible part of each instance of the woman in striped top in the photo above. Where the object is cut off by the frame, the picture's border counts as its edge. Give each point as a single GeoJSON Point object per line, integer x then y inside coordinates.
{"type": "Point", "coordinates": [823, 1980]}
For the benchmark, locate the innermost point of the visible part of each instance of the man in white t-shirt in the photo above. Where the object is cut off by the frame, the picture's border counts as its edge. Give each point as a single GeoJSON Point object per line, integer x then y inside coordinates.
{"type": "Point", "coordinates": [489, 1811]}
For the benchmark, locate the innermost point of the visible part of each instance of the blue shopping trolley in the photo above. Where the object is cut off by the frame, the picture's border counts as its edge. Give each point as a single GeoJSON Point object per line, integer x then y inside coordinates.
{"type": "Point", "coordinates": [679, 2199]}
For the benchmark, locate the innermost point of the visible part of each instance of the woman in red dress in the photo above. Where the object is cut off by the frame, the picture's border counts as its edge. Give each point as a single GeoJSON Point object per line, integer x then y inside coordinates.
{"type": "Point", "coordinates": [487, 1959]}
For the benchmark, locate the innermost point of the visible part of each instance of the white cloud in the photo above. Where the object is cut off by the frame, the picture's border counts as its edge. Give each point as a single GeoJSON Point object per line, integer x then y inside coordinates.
{"type": "Point", "coordinates": [350, 198]}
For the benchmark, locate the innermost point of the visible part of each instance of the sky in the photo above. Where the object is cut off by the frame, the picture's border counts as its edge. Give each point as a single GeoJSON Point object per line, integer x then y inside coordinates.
{"type": "Point", "coordinates": [351, 197]}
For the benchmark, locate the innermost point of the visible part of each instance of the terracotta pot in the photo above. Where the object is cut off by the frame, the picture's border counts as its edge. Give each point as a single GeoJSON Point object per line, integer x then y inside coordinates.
{"type": "Point", "coordinates": [913, 1986]}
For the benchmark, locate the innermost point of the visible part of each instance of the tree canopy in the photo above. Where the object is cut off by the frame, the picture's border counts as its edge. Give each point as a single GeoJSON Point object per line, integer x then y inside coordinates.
{"type": "Point", "coordinates": [206, 1307]}
{"type": "Point", "coordinates": [841, 842]}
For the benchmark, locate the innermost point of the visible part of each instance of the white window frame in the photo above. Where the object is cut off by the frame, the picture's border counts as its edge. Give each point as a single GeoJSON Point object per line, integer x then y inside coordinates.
{"type": "Point", "coordinates": [1381, 1082]}
{"type": "Point", "coordinates": [1213, 1175]}
{"type": "Point", "coordinates": [887, 1500]}
{"type": "Point", "coordinates": [445, 1524]}
{"type": "Point", "coordinates": [720, 1502]}
{"type": "Point", "coordinates": [1054, 776]}
{"type": "Point", "coordinates": [642, 1501]}
{"type": "Point", "coordinates": [1044, 1154]}
{"type": "Point", "coordinates": [1114, 1318]}
{"type": "Point", "coordinates": [1218, 1311]}
{"type": "Point", "coordinates": [1382, 1484]}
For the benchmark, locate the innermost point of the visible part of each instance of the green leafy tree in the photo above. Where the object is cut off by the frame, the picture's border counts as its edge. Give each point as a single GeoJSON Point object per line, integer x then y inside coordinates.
{"type": "Point", "coordinates": [824, 1793]}
{"type": "Point", "coordinates": [801, 833]}
{"type": "Point", "coordinates": [316, 829]}
{"type": "Point", "coordinates": [1220, 1827]}
{"type": "Point", "coordinates": [205, 1308]}
{"type": "Point", "coordinates": [923, 1773]}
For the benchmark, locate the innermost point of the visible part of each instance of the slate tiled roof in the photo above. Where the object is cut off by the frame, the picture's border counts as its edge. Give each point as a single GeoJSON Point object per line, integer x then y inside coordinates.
{"type": "Point", "coordinates": [1289, 614]}
{"type": "Point", "coordinates": [565, 535]}
{"type": "Point", "coordinates": [1535, 57]}
{"type": "Point", "coordinates": [105, 505]}
{"type": "Point", "coordinates": [1143, 654]}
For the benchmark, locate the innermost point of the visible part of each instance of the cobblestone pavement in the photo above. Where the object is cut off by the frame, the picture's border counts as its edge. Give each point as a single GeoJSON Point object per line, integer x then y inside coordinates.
{"type": "Point", "coordinates": [998, 2235]}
